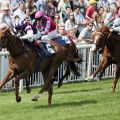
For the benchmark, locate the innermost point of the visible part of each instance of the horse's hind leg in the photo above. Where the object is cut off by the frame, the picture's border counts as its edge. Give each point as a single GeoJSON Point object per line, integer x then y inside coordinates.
{"type": "Point", "coordinates": [45, 86]}
{"type": "Point", "coordinates": [50, 92]}
{"type": "Point", "coordinates": [47, 76]}
{"type": "Point", "coordinates": [28, 89]}
{"type": "Point", "coordinates": [114, 81]}
{"type": "Point", "coordinates": [67, 72]}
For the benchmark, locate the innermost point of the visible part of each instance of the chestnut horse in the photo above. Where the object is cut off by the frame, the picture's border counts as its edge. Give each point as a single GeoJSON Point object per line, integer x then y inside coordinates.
{"type": "Point", "coordinates": [23, 61]}
{"type": "Point", "coordinates": [110, 43]}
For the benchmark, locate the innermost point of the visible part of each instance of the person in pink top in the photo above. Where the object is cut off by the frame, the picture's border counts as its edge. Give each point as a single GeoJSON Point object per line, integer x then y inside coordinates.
{"type": "Point", "coordinates": [91, 10]}
{"type": "Point", "coordinates": [45, 26]}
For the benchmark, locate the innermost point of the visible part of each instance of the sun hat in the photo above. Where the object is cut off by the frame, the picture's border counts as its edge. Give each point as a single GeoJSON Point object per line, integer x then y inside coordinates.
{"type": "Point", "coordinates": [5, 6]}
{"type": "Point", "coordinates": [92, 2]}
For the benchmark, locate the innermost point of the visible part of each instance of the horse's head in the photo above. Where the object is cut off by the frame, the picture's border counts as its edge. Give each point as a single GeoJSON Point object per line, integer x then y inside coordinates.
{"type": "Point", "coordinates": [100, 37]}
{"type": "Point", "coordinates": [3, 34]}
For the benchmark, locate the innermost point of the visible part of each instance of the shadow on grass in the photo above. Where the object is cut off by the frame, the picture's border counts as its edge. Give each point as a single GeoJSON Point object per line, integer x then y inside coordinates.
{"type": "Point", "coordinates": [68, 104]}
{"type": "Point", "coordinates": [75, 91]}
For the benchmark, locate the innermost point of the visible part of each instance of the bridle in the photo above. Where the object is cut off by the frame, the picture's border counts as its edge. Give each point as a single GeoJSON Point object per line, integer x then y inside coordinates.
{"type": "Point", "coordinates": [4, 44]}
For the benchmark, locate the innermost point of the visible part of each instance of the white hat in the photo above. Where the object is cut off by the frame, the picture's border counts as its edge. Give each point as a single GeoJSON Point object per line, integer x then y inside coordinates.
{"type": "Point", "coordinates": [5, 6]}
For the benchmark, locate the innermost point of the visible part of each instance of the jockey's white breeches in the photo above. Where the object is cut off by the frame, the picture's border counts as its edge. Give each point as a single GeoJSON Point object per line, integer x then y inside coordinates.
{"type": "Point", "coordinates": [49, 36]}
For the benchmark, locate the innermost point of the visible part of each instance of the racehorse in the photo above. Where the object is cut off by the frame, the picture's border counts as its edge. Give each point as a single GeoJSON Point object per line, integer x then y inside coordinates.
{"type": "Point", "coordinates": [110, 43]}
{"type": "Point", "coordinates": [23, 61]}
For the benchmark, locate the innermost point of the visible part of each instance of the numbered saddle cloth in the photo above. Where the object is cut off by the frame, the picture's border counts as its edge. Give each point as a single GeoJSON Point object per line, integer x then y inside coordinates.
{"type": "Point", "coordinates": [45, 49]}
{"type": "Point", "coordinates": [64, 40]}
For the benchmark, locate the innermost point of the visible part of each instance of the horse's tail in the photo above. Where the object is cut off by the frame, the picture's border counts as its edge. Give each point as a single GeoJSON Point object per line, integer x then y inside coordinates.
{"type": "Point", "coordinates": [74, 68]}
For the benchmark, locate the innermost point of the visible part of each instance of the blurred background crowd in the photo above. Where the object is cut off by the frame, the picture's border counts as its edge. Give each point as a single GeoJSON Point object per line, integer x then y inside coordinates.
{"type": "Point", "coordinates": [79, 17]}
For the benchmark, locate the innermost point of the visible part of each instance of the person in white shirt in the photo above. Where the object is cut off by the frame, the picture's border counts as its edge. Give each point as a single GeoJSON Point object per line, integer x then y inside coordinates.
{"type": "Point", "coordinates": [70, 23]}
{"type": "Point", "coordinates": [85, 34]}
{"type": "Point", "coordinates": [5, 16]}
{"type": "Point", "coordinates": [20, 11]}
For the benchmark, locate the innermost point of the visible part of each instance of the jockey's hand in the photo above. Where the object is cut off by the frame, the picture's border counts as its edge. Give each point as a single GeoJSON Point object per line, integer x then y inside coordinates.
{"type": "Point", "coordinates": [110, 29]}
{"type": "Point", "coordinates": [21, 37]}
{"type": "Point", "coordinates": [43, 38]}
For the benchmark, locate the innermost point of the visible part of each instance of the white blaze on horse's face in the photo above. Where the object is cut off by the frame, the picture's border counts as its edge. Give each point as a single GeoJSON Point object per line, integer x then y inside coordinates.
{"type": "Point", "coordinates": [94, 45]}
{"type": "Point", "coordinates": [96, 39]}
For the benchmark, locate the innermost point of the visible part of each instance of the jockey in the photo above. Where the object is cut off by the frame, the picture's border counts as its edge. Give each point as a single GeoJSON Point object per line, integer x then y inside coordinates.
{"type": "Point", "coordinates": [29, 32]}
{"type": "Point", "coordinates": [27, 29]}
{"type": "Point", "coordinates": [45, 26]}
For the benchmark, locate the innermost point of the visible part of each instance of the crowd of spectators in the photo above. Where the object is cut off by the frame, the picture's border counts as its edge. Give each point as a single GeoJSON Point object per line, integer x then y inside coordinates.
{"type": "Point", "coordinates": [79, 17]}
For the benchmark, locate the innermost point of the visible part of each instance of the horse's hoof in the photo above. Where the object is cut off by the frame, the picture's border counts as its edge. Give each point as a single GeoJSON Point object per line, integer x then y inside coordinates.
{"type": "Point", "coordinates": [28, 90]}
{"type": "Point", "coordinates": [34, 98]}
{"type": "Point", "coordinates": [49, 105]}
{"type": "Point", "coordinates": [59, 85]}
{"type": "Point", "coordinates": [18, 99]}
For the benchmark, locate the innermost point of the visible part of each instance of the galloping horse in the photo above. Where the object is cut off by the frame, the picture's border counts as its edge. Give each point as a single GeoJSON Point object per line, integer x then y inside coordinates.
{"type": "Point", "coordinates": [110, 43]}
{"type": "Point", "coordinates": [23, 61]}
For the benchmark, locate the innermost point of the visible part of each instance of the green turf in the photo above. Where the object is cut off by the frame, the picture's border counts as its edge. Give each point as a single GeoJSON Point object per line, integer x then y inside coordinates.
{"type": "Point", "coordinates": [76, 101]}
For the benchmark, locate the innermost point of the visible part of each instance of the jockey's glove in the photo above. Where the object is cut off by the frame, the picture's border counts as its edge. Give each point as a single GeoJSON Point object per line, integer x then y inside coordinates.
{"type": "Point", "coordinates": [21, 38]}
{"type": "Point", "coordinates": [44, 38]}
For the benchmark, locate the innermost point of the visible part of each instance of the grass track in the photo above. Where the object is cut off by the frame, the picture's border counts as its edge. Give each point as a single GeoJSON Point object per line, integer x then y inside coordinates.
{"type": "Point", "coordinates": [76, 101]}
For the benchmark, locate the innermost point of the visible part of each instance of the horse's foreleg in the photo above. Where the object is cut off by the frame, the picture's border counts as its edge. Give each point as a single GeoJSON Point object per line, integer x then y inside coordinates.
{"type": "Point", "coordinates": [103, 65]}
{"type": "Point", "coordinates": [114, 81]}
{"type": "Point", "coordinates": [8, 77]}
{"type": "Point", "coordinates": [17, 79]}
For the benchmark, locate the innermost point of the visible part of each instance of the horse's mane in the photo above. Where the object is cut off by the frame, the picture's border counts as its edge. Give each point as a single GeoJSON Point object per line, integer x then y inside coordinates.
{"type": "Point", "coordinates": [105, 28]}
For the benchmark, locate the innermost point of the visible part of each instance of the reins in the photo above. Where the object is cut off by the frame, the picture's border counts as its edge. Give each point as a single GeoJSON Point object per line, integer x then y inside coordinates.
{"type": "Point", "coordinates": [6, 43]}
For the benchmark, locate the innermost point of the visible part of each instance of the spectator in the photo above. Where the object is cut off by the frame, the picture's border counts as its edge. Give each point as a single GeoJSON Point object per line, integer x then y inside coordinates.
{"type": "Point", "coordinates": [102, 3]}
{"type": "Point", "coordinates": [5, 16]}
{"type": "Point", "coordinates": [85, 34]}
{"type": "Point", "coordinates": [15, 4]}
{"type": "Point", "coordinates": [84, 4]}
{"type": "Point", "coordinates": [61, 37]}
{"type": "Point", "coordinates": [41, 5]}
{"type": "Point", "coordinates": [20, 11]}
{"type": "Point", "coordinates": [66, 14]}
{"type": "Point", "coordinates": [57, 19]}
{"type": "Point", "coordinates": [116, 25]}
{"type": "Point", "coordinates": [97, 22]}
{"type": "Point", "coordinates": [106, 11]}
{"type": "Point", "coordinates": [64, 10]}
{"type": "Point", "coordinates": [90, 10]}
{"type": "Point", "coordinates": [79, 18]}
{"type": "Point", "coordinates": [70, 23]}
{"type": "Point", "coordinates": [108, 21]}
{"type": "Point", "coordinates": [50, 9]}
{"type": "Point", "coordinates": [31, 9]}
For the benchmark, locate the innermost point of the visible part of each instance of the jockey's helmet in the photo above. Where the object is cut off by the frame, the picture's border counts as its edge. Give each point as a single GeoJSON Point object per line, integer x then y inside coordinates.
{"type": "Point", "coordinates": [39, 15]}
